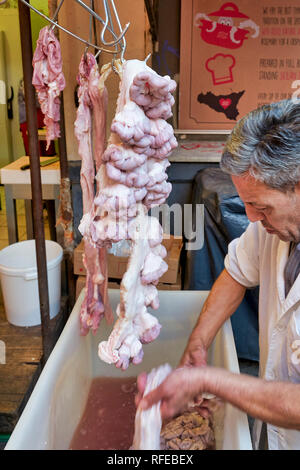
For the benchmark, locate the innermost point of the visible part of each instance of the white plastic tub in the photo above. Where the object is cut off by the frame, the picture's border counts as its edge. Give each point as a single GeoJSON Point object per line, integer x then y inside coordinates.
{"type": "Point", "coordinates": [19, 281]}
{"type": "Point", "coordinates": [59, 397]}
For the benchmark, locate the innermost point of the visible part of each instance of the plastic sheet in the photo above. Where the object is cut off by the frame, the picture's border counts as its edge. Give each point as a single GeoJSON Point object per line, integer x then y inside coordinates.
{"type": "Point", "coordinates": [121, 248]}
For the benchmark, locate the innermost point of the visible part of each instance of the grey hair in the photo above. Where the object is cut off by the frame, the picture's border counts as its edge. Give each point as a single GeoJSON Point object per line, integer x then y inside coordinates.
{"type": "Point", "coordinates": [266, 144]}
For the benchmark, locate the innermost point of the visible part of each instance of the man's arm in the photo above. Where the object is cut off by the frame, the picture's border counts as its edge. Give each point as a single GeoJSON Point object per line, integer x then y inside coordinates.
{"type": "Point", "coordinates": [224, 298]}
{"type": "Point", "coordinates": [273, 402]}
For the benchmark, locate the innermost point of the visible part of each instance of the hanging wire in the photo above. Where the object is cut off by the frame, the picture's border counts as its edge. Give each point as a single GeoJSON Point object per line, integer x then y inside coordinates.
{"type": "Point", "coordinates": [107, 20]}
{"type": "Point", "coordinates": [105, 23]}
{"type": "Point", "coordinates": [90, 30]}
{"type": "Point", "coordinates": [94, 26]}
{"type": "Point", "coordinates": [116, 41]}
{"type": "Point", "coordinates": [120, 28]}
{"type": "Point", "coordinates": [56, 14]}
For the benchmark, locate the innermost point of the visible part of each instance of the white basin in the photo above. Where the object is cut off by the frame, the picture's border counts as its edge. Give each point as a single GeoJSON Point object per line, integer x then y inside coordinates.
{"type": "Point", "coordinates": [57, 402]}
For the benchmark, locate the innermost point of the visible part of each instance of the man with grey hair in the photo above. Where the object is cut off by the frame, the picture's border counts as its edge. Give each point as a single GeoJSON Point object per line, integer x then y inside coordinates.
{"type": "Point", "coordinates": [262, 155]}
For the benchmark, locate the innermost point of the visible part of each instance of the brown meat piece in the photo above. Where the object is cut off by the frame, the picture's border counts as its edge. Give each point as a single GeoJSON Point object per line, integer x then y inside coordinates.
{"type": "Point", "coordinates": [189, 431]}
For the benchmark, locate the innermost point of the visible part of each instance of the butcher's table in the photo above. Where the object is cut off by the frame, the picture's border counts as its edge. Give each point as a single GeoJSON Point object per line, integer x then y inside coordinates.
{"type": "Point", "coordinates": [17, 185]}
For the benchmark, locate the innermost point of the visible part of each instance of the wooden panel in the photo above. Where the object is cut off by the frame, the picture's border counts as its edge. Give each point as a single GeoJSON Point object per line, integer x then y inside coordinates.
{"type": "Point", "coordinates": [235, 57]}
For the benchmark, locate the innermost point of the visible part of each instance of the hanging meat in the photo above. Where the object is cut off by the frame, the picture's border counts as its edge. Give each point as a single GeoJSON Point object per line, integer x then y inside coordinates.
{"type": "Point", "coordinates": [48, 80]}
{"type": "Point", "coordinates": [92, 110]}
{"type": "Point", "coordinates": [132, 180]}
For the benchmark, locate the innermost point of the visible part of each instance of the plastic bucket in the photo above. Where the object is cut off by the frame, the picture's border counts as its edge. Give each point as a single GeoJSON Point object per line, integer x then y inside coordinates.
{"type": "Point", "coordinates": [19, 281]}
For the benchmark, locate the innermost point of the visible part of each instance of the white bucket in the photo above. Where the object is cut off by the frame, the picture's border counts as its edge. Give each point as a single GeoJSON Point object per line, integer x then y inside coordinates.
{"type": "Point", "coordinates": [19, 281]}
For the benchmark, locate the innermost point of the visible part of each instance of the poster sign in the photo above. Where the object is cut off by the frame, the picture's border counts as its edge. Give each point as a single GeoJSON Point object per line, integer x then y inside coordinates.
{"type": "Point", "coordinates": [235, 57]}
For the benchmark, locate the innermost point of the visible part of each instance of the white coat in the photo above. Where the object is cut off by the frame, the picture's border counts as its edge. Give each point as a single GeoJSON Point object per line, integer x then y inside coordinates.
{"type": "Point", "coordinates": [259, 258]}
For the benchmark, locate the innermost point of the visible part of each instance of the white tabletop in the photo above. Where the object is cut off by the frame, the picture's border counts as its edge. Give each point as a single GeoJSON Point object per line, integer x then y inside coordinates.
{"type": "Point", "coordinates": [193, 151]}
{"type": "Point", "coordinates": [12, 174]}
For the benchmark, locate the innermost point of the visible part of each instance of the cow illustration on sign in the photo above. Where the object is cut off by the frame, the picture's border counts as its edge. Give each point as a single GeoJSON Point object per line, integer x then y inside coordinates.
{"type": "Point", "coordinates": [224, 32]}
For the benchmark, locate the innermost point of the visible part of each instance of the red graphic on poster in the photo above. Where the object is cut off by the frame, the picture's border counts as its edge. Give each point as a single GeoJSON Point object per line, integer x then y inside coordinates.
{"type": "Point", "coordinates": [224, 32]}
{"type": "Point", "coordinates": [220, 66]}
{"type": "Point", "coordinates": [225, 102]}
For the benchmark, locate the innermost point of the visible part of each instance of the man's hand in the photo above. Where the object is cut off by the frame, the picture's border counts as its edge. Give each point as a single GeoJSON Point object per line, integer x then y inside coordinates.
{"type": "Point", "coordinates": [195, 354]}
{"type": "Point", "coordinates": [141, 384]}
{"type": "Point", "coordinates": [176, 391]}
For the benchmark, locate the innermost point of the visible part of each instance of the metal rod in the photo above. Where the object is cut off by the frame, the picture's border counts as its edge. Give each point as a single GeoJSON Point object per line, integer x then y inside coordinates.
{"type": "Point", "coordinates": [65, 204]}
{"type": "Point", "coordinates": [101, 49]}
{"type": "Point", "coordinates": [109, 20]}
{"type": "Point", "coordinates": [120, 28]}
{"type": "Point", "coordinates": [117, 40]}
{"type": "Point", "coordinates": [35, 174]}
{"type": "Point", "coordinates": [90, 31]}
{"type": "Point", "coordinates": [54, 18]}
{"type": "Point", "coordinates": [67, 211]}
{"type": "Point", "coordinates": [64, 168]}
{"type": "Point", "coordinates": [94, 26]}
{"type": "Point", "coordinates": [109, 25]}
{"type": "Point", "coordinates": [105, 24]}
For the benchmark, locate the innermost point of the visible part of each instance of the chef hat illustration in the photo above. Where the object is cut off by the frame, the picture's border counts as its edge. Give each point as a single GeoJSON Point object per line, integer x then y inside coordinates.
{"type": "Point", "coordinates": [220, 66]}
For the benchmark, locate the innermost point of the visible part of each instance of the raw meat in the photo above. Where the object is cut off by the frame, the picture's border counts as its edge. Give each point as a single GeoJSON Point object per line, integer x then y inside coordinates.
{"type": "Point", "coordinates": [153, 93]}
{"type": "Point", "coordinates": [189, 431]}
{"type": "Point", "coordinates": [192, 430]}
{"type": "Point", "coordinates": [92, 107]}
{"type": "Point", "coordinates": [131, 180]}
{"type": "Point", "coordinates": [48, 80]}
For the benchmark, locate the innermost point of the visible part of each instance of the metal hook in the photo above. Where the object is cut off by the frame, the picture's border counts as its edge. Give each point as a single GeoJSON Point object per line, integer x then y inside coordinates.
{"type": "Point", "coordinates": [94, 24]}
{"type": "Point", "coordinates": [113, 66]}
{"type": "Point", "coordinates": [108, 19]}
{"type": "Point", "coordinates": [147, 58]}
{"type": "Point", "coordinates": [90, 30]}
{"type": "Point", "coordinates": [101, 49]}
{"type": "Point", "coordinates": [56, 15]}
{"type": "Point", "coordinates": [97, 54]}
{"type": "Point", "coordinates": [98, 18]}
{"type": "Point", "coordinates": [119, 48]}
{"type": "Point", "coordinates": [123, 47]}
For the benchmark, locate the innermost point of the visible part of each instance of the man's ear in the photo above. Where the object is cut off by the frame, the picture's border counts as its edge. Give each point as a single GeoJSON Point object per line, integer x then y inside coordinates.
{"type": "Point", "coordinates": [297, 188]}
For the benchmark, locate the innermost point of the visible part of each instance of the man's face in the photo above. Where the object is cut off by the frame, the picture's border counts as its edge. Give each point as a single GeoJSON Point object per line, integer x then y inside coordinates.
{"type": "Point", "coordinates": [278, 212]}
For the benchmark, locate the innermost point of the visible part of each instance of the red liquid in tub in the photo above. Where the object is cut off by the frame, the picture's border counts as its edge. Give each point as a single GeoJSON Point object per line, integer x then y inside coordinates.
{"type": "Point", "coordinates": [108, 419]}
